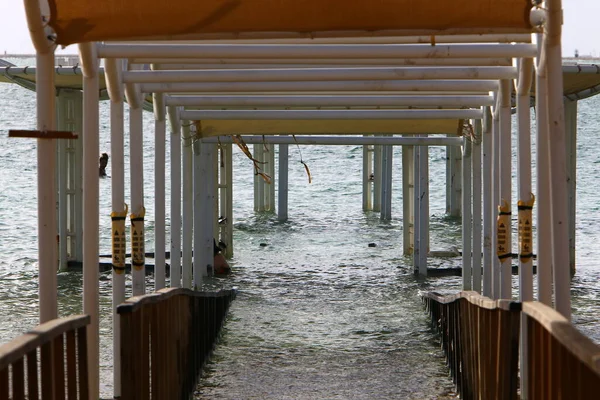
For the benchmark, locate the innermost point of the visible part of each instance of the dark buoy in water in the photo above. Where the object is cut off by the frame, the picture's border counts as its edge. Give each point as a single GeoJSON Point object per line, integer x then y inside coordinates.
{"type": "Point", "coordinates": [372, 245]}
{"type": "Point", "coordinates": [263, 245]}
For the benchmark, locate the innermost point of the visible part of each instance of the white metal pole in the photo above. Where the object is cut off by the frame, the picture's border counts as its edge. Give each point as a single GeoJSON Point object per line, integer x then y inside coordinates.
{"type": "Point", "coordinates": [175, 143]}
{"type": "Point", "coordinates": [504, 239]}
{"type": "Point", "coordinates": [477, 205]}
{"type": "Point", "coordinates": [423, 209]}
{"type": "Point", "coordinates": [229, 203]}
{"type": "Point", "coordinates": [366, 178]}
{"type": "Point", "coordinates": [378, 174]}
{"type": "Point", "coordinates": [571, 138]}
{"type": "Point", "coordinates": [282, 208]}
{"type": "Point", "coordinates": [544, 228]}
{"type": "Point", "coordinates": [259, 183]}
{"type": "Point", "coordinates": [136, 162]}
{"type": "Point", "coordinates": [407, 140]}
{"type": "Point", "coordinates": [188, 205]}
{"type": "Point", "coordinates": [119, 208]}
{"type": "Point", "coordinates": [62, 103]}
{"type": "Point", "coordinates": [495, 200]}
{"type": "Point", "coordinates": [467, 266]}
{"type": "Point", "coordinates": [385, 183]}
{"type": "Point", "coordinates": [269, 158]}
{"type": "Point", "coordinates": [488, 222]}
{"type": "Point", "coordinates": [558, 167]}
{"type": "Point", "coordinates": [91, 144]}
{"type": "Point", "coordinates": [46, 158]}
{"type": "Point", "coordinates": [417, 213]}
{"type": "Point", "coordinates": [407, 199]}
{"type": "Point", "coordinates": [524, 182]}
{"type": "Point", "coordinates": [159, 192]}
{"type": "Point", "coordinates": [204, 202]}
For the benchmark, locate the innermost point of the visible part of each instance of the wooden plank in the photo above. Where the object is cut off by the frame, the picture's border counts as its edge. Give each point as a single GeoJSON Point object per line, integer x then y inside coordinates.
{"type": "Point", "coordinates": [145, 353]}
{"type": "Point", "coordinates": [4, 384]}
{"type": "Point", "coordinates": [32, 375]}
{"type": "Point", "coordinates": [71, 366]}
{"type": "Point", "coordinates": [157, 344]}
{"type": "Point", "coordinates": [47, 373]}
{"type": "Point", "coordinates": [18, 380]}
{"type": "Point", "coordinates": [84, 389]}
{"type": "Point", "coordinates": [35, 134]}
{"type": "Point", "coordinates": [59, 367]}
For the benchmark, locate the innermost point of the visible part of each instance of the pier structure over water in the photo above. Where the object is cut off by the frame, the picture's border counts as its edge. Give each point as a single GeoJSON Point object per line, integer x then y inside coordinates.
{"type": "Point", "coordinates": [429, 74]}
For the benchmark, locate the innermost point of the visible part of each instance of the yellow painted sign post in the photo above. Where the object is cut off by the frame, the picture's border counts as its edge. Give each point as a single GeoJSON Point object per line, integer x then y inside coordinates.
{"type": "Point", "coordinates": [525, 233]}
{"type": "Point", "coordinates": [119, 241]}
{"type": "Point", "coordinates": [503, 249]}
{"type": "Point", "coordinates": [137, 240]}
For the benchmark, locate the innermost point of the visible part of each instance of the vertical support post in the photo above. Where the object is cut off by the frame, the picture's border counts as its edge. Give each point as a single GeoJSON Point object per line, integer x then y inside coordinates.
{"type": "Point", "coordinates": [259, 183]}
{"type": "Point", "coordinates": [386, 182]}
{"type": "Point", "coordinates": [423, 214]}
{"type": "Point", "coordinates": [188, 205]}
{"type": "Point", "coordinates": [367, 183]}
{"type": "Point", "coordinates": [282, 209]}
{"type": "Point", "coordinates": [495, 199]}
{"type": "Point", "coordinates": [377, 180]}
{"type": "Point", "coordinates": [525, 204]}
{"type": "Point", "coordinates": [467, 271]}
{"type": "Point", "coordinates": [408, 203]}
{"type": "Point", "coordinates": [113, 68]}
{"type": "Point", "coordinates": [228, 237]}
{"type": "Point", "coordinates": [505, 243]}
{"type": "Point", "coordinates": [488, 221]}
{"type": "Point", "coordinates": [46, 158]}
{"type": "Point", "coordinates": [136, 162]}
{"type": "Point", "coordinates": [159, 191]}
{"type": "Point", "coordinates": [552, 53]}
{"type": "Point", "coordinates": [204, 201]}
{"type": "Point", "coordinates": [417, 212]}
{"type": "Point", "coordinates": [175, 143]}
{"type": "Point", "coordinates": [63, 123]}
{"type": "Point", "coordinates": [91, 144]}
{"type": "Point", "coordinates": [571, 139]}
{"type": "Point", "coordinates": [269, 191]}
{"type": "Point", "coordinates": [477, 204]}
{"type": "Point", "coordinates": [455, 180]}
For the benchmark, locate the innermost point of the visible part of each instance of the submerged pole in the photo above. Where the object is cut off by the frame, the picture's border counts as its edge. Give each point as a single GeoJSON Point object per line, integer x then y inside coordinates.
{"type": "Point", "coordinates": [282, 208]}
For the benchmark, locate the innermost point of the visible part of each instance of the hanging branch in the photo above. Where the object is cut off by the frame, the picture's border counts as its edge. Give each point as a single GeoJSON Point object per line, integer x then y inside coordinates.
{"type": "Point", "coordinates": [302, 161]}
{"type": "Point", "coordinates": [244, 147]}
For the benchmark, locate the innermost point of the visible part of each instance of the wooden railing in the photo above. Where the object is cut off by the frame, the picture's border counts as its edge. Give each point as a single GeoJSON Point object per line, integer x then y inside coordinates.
{"type": "Point", "coordinates": [48, 362]}
{"type": "Point", "coordinates": [166, 338]}
{"type": "Point", "coordinates": [562, 362]}
{"type": "Point", "coordinates": [480, 337]}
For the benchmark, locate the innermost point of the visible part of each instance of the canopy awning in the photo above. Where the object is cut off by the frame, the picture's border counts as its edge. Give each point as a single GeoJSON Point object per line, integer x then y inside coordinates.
{"type": "Point", "coordinates": [77, 21]}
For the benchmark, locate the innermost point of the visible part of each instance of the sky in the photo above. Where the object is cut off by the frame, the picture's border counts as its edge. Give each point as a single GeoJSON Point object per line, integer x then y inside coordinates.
{"type": "Point", "coordinates": [581, 29]}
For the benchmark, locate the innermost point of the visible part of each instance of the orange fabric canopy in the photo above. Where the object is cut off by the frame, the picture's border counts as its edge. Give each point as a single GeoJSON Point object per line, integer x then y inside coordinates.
{"type": "Point", "coordinates": [78, 21]}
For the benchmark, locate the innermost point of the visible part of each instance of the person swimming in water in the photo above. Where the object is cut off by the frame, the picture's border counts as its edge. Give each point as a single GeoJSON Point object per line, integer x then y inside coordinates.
{"type": "Point", "coordinates": [103, 164]}
{"type": "Point", "coordinates": [221, 267]}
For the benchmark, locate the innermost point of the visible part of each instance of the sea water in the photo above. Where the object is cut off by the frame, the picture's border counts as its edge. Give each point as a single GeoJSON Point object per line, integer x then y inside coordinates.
{"type": "Point", "coordinates": [319, 314]}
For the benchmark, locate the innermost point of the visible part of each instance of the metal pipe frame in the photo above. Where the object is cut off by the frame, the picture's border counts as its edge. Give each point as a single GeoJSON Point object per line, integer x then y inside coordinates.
{"type": "Point", "coordinates": [342, 140]}
{"type": "Point", "coordinates": [325, 100]}
{"type": "Point", "coordinates": [165, 51]}
{"type": "Point", "coordinates": [197, 115]}
{"type": "Point", "coordinates": [437, 86]}
{"type": "Point", "coordinates": [159, 192]}
{"type": "Point", "coordinates": [175, 143]}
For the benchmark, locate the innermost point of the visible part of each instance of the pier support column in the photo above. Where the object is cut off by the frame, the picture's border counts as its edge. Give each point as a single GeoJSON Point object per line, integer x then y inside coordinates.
{"type": "Point", "coordinates": [136, 161]}
{"type": "Point", "coordinates": [264, 193]}
{"type": "Point", "coordinates": [421, 214]}
{"type": "Point", "coordinates": [571, 139]}
{"type": "Point", "coordinates": [377, 171]}
{"type": "Point", "coordinates": [225, 196]}
{"type": "Point", "coordinates": [467, 266]}
{"type": "Point", "coordinates": [477, 205]}
{"type": "Point", "coordinates": [504, 231]}
{"type": "Point", "coordinates": [187, 205]}
{"type": "Point", "coordinates": [367, 181]}
{"type": "Point", "coordinates": [159, 191]}
{"type": "Point", "coordinates": [408, 199]}
{"type": "Point", "coordinates": [386, 182]}
{"type": "Point", "coordinates": [282, 207]}
{"type": "Point", "coordinates": [175, 146]}
{"type": "Point", "coordinates": [495, 200]}
{"type": "Point", "coordinates": [488, 221]}
{"type": "Point", "coordinates": [453, 180]}
{"type": "Point", "coordinates": [70, 118]}
{"type": "Point", "coordinates": [204, 203]}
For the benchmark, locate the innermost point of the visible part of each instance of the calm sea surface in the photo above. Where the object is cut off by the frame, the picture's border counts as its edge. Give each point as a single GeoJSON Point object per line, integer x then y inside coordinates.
{"type": "Point", "coordinates": [319, 313]}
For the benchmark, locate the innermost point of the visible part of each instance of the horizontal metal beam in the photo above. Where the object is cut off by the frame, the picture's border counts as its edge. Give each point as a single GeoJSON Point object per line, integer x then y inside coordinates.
{"type": "Point", "coordinates": [240, 63]}
{"type": "Point", "coordinates": [342, 140]}
{"type": "Point", "coordinates": [312, 86]}
{"type": "Point", "coordinates": [320, 74]}
{"type": "Point", "coordinates": [158, 51]}
{"type": "Point", "coordinates": [333, 101]}
{"type": "Point", "coordinates": [197, 115]}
